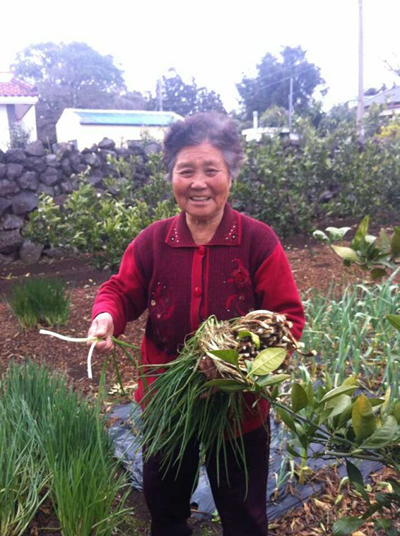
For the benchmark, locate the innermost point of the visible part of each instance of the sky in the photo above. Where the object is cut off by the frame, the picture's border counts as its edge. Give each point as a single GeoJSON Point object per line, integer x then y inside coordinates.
{"type": "Point", "coordinates": [215, 41]}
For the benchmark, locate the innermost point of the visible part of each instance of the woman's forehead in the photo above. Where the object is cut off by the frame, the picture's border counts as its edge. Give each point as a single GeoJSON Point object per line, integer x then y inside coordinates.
{"type": "Point", "coordinates": [205, 152]}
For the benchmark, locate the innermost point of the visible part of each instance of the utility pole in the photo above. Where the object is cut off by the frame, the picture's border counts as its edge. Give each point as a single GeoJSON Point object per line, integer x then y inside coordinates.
{"type": "Point", "coordinates": [159, 94]}
{"type": "Point", "coordinates": [290, 104]}
{"type": "Point", "coordinates": [360, 107]}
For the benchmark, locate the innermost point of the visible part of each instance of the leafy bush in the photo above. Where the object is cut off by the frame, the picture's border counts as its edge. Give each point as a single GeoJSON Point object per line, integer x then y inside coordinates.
{"type": "Point", "coordinates": [103, 224]}
{"type": "Point", "coordinates": [328, 175]}
{"type": "Point", "coordinates": [40, 301]}
{"type": "Point", "coordinates": [56, 447]}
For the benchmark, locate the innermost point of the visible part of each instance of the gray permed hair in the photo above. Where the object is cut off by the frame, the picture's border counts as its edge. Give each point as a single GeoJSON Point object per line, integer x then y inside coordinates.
{"type": "Point", "coordinates": [217, 129]}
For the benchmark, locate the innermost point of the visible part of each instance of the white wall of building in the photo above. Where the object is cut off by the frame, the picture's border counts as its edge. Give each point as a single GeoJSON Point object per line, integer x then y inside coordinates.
{"type": "Point", "coordinates": [28, 123]}
{"type": "Point", "coordinates": [4, 128]}
{"type": "Point", "coordinates": [69, 129]}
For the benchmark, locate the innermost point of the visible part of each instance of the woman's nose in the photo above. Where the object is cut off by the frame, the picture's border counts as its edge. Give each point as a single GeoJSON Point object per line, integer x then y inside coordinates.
{"type": "Point", "coordinates": [199, 180]}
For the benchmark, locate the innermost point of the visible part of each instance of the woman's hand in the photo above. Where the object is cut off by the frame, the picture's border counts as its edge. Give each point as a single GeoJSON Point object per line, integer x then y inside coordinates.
{"type": "Point", "coordinates": [102, 327]}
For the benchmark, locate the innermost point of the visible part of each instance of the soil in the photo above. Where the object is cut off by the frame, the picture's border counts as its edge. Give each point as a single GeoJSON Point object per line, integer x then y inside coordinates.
{"type": "Point", "coordinates": [314, 267]}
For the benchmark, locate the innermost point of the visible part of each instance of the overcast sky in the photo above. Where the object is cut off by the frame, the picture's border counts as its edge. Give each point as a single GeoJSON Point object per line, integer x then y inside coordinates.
{"type": "Point", "coordinates": [216, 41]}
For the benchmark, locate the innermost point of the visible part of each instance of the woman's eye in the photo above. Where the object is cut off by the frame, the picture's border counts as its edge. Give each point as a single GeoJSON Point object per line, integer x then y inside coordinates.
{"type": "Point", "coordinates": [186, 172]}
{"type": "Point", "coordinates": [211, 172]}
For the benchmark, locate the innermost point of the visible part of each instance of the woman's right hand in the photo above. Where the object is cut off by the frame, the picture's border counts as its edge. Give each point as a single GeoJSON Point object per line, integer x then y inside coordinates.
{"type": "Point", "coordinates": [102, 327]}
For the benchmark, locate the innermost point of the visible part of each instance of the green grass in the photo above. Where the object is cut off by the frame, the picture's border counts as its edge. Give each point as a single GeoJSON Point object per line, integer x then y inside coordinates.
{"type": "Point", "coordinates": [56, 445]}
{"type": "Point", "coordinates": [352, 336]}
{"type": "Point", "coordinates": [40, 301]}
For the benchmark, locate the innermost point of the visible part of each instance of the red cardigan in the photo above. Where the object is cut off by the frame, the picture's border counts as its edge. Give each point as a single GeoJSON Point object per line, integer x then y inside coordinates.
{"type": "Point", "coordinates": [242, 268]}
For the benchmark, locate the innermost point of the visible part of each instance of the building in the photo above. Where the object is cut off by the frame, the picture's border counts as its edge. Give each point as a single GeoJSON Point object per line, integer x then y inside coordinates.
{"type": "Point", "coordinates": [17, 109]}
{"type": "Point", "coordinates": [83, 128]}
{"type": "Point", "coordinates": [389, 98]}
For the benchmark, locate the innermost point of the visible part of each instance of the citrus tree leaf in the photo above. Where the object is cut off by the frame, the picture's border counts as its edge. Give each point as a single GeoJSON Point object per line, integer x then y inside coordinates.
{"type": "Point", "coordinates": [354, 473]}
{"type": "Point", "coordinates": [377, 273]}
{"type": "Point", "coordinates": [343, 389]}
{"type": "Point", "coordinates": [394, 320]}
{"type": "Point", "coordinates": [230, 356]}
{"type": "Point", "coordinates": [337, 233]}
{"type": "Point", "coordinates": [299, 397]}
{"type": "Point", "coordinates": [346, 526]}
{"type": "Point", "coordinates": [361, 233]}
{"type": "Point", "coordinates": [255, 338]}
{"type": "Point", "coordinates": [264, 381]}
{"type": "Point", "coordinates": [383, 436]}
{"type": "Point", "coordinates": [267, 361]}
{"type": "Point", "coordinates": [362, 417]}
{"type": "Point", "coordinates": [395, 242]}
{"type": "Point", "coordinates": [286, 418]}
{"type": "Point", "coordinates": [396, 411]}
{"type": "Point", "coordinates": [338, 404]}
{"type": "Point", "coordinates": [345, 253]}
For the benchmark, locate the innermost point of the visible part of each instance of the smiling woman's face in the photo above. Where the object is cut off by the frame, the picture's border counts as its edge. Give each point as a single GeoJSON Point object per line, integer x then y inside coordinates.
{"type": "Point", "coordinates": [201, 182]}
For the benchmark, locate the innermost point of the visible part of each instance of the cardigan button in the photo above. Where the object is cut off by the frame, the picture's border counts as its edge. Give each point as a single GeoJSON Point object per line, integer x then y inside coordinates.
{"type": "Point", "coordinates": [197, 291]}
{"type": "Point", "coordinates": [202, 250]}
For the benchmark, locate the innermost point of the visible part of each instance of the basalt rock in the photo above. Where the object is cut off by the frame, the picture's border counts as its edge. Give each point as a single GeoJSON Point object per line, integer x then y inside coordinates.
{"type": "Point", "coordinates": [10, 241]}
{"type": "Point", "coordinates": [8, 187]}
{"type": "Point", "coordinates": [30, 253]}
{"type": "Point", "coordinates": [29, 181]}
{"type": "Point", "coordinates": [16, 156]}
{"type": "Point", "coordinates": [35, 148]}
{"type": "Point", "coordinates": [14, 171]}
{"type": "Point", "coordinates": [24, 202]}
{"type": "Point", "coordinates": [10, 222]}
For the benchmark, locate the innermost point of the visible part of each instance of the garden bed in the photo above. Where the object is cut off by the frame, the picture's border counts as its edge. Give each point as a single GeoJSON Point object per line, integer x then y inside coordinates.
{"type": "Point", "coordinates": [314, 266]}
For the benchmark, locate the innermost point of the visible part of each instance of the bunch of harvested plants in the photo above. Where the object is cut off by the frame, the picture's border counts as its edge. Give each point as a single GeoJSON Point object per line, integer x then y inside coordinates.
{"type": "Point", "coordinates": [183, 405]}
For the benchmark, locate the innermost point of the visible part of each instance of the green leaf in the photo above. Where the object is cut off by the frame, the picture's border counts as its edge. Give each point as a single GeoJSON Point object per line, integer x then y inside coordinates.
{"type": "Point", "coordinates": [363, 418]}
{"type": "Point", "coordinates": [337, 233]}
{"type": "Point", "coordinates": [361, 233]}
{"type": "Point", "coordinates": [343, 389]}
{"type": "Point", "coordinates": [230, 356]}
{"type": "Point", "coordinates": [345, 253]}
{"type": "Point", "coordinates": [338, 405]}
{"type": "Point", "coordinates": [377, 273]}
{"type": "Point", "coordinates": [227, 386]}
{"type": "Point", "coordinates": [346, 526]}
{"type": "Point", "coordinates": [351, 380]}
{"type": "Point", "coordinates": [394, 320]}
{"type": "Point", "coordinates": [320, 235]}
{"type": "Point", "coordinates": [395, 411]}
{"type": "Point", "coordinates": [292, 451]}
{"type": "Point", "coordinates": [264, 381]}
{"type": "Point", "coordinates": [354, 473]}
{"type": "Point", "coordinates": [362, 491]}
{"type": "Point", "coordinates": [395, 242]}
{"type": "Point", "coordinates": [383, 242]}
{"type": "Point", "coordinates": [299, 397]}
{"type": "Point", "coordinates": [268, 360]}
{"type": "Point", "coordinates": [255, 338]}
{"type": "Point", "coordinates": [286, 418]}
{"type": "Point", "coordinates": [382, 436]}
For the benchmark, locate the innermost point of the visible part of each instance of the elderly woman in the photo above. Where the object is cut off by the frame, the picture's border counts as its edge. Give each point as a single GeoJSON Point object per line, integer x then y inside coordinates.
{"type": "Point", "coordinates": [208, 260]}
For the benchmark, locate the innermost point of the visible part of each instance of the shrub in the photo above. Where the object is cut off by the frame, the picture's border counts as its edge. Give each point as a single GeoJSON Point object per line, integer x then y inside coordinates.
{"type": "Point", "coordinates": [103, 224]}
{"type": "Point", "coordinates": [40, 301]}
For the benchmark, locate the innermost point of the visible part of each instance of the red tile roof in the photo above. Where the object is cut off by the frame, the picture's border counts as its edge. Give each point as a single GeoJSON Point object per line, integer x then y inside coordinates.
{"type": "Point", "coordinates": [17, 88]}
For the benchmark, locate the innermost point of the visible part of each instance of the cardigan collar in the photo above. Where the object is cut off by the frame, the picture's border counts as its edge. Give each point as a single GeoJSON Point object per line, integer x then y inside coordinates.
{"type": "Point", "coordinates": [228, 233]}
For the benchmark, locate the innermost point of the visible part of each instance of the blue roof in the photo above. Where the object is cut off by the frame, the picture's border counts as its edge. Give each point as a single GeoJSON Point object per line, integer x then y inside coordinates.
{"type": "Point", "coordinates": [132, 118]}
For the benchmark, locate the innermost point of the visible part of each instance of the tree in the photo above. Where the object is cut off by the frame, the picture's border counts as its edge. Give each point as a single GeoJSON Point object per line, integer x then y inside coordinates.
{"type": "Point", "coordinates": [185, 99]}
{"type": "Point", "coordinates": [68, 75]}
{"type": "Point", "coordinates": [271, 86]}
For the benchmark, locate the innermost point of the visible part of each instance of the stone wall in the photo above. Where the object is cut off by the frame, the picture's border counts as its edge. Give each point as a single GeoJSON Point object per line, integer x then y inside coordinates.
{"type": "Point", "coordinates": [27, 173]}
